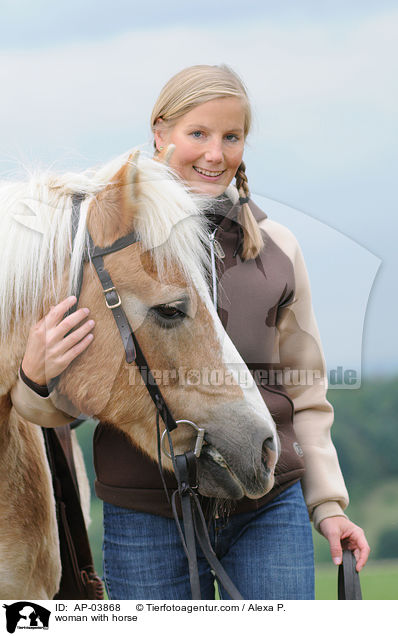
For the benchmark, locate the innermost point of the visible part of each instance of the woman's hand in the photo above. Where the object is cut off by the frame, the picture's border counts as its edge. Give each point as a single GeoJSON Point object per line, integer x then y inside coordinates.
{"type": "Point", "coordinates": [48, 351]}
{"type": "Point", "coordinates": [342, 533]}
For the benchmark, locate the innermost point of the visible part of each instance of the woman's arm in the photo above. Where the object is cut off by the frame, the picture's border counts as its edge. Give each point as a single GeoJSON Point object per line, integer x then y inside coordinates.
{"type": "Point", "coordinates": [49, 351]}
{"type": "Point", "coordinates": [37, 409]}
{"type": "Point", "coordinates": [300, 351]}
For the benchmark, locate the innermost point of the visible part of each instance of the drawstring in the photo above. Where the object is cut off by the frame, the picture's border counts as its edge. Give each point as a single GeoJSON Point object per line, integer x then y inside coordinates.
{"type": "Point", "coordinates": [215, 250]}
{"type": "Point", "coordinates": [239, 242]}
{"type": "Point", "coordinates": [213, 267]}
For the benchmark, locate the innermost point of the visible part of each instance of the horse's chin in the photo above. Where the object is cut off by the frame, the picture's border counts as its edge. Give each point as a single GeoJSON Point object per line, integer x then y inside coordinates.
{"type": "Point", "coordinates": [217, 479]}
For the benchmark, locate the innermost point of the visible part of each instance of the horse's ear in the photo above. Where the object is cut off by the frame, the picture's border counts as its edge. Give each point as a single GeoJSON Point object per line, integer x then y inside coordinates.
{"type": "Point", "coordinates": [130, 179]}
{"type": "Point", "coordinates": [165, 154]}
{"type": "Point", "coordinates": [112, 212]}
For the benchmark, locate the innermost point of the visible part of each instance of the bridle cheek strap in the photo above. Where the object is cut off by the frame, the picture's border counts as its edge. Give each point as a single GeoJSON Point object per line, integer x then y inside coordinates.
{"type": "Point", "coordinates": [131, 345]}
{"type": "Point", "coordinates": [113, 302]}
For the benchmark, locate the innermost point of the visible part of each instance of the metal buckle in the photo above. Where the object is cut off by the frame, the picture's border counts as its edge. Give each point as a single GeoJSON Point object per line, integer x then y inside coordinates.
{"type": "Point", "coordinates": [117, 303]}
{"type": "Point", "coordinates": [199, 438]}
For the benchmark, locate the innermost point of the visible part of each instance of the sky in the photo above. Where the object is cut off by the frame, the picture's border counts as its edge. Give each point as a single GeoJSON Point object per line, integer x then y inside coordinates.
{"type": "Point", "coordinates": [79, 80]}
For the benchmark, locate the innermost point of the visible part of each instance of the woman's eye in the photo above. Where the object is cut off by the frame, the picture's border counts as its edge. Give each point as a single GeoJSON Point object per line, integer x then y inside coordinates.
{"type": "Point", "coordinates": [197, 134]}
{"type": "Point", "coordinates": [232, 137]}
{"type": "Point", "coordinates": [168, 315]}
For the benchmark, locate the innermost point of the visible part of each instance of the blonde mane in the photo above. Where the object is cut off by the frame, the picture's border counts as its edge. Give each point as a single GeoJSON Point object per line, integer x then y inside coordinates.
{"type": "Point", "coordinates": [35, 231]}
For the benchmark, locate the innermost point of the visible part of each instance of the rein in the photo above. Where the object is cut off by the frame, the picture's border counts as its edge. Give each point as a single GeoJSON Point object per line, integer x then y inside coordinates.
{"type": "Point", "coordinates": [184, 465]}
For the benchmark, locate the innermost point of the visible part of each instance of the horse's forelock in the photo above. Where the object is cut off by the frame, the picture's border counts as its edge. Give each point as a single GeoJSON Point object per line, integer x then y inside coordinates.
{"type": "Point", "coordinates": [170, 221]}
{"type": "Point", "coordinates": [167, 217]}
{"type": "Point", "coordinates": [35, 228]}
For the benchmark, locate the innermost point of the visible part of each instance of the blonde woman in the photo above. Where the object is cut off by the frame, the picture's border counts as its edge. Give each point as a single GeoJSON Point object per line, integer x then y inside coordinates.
{"type": "Point", "coordinates": [264, 302]}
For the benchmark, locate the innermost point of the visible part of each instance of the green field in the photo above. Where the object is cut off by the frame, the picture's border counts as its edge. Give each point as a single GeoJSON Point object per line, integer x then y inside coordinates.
{"type": "Point", "coordinates": [379, 581]}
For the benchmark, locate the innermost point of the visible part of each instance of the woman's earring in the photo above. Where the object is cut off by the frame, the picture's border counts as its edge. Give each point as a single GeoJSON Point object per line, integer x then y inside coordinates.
{"type": "Point", "coordinates": [160, 148]}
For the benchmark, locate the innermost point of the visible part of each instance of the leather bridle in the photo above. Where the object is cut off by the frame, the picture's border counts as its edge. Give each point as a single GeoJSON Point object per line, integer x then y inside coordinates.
{"type": "Point", "coordinates": [184, 465]}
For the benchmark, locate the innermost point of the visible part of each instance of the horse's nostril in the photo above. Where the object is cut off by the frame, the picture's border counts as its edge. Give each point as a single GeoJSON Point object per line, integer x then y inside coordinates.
{"type": "Point", "coordinates": [270, 443]}
{"type": "Point", "coordinates": [268, 452]}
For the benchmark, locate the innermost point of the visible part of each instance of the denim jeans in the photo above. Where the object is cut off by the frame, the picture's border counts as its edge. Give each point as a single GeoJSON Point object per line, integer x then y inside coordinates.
{"type": "Point", "coordinates": [267, 553]}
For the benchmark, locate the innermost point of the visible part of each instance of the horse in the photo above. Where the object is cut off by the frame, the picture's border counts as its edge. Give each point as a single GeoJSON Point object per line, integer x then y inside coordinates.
{"type": "Point", "coordinates": [162, 280]}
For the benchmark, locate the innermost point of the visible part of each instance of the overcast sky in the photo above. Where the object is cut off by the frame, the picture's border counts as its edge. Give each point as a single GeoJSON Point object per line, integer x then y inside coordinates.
{"type": "Point", "coordinates": [79, 81]}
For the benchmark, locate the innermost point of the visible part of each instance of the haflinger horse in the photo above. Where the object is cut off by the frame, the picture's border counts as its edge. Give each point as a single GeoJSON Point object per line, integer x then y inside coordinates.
{"type": "Point", "coordinates": [162, 283]}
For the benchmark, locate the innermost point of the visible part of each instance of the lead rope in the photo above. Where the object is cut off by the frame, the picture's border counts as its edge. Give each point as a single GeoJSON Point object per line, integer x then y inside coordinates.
{"type": "Point", "coordinates": [184, 490]}
{"type": "Point", "coordinates": [195, 526]}
{"type": "Point", "coordinates": [211, 557]}
{"type": "Point", "coordinates": [185, 463]}
{"type": "Point", "coordinates": [185, 469]}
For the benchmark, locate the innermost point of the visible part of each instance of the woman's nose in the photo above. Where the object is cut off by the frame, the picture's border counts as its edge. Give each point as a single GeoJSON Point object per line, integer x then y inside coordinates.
{"type": "Point", "coordinates": [214, 152]}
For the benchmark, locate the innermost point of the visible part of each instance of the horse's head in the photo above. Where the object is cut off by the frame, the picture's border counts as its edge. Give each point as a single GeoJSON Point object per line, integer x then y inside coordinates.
{"type": "Point", "coordinates": [162, 286]}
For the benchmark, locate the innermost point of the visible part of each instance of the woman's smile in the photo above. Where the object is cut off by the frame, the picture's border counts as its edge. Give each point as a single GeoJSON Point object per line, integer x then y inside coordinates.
{"type": "Point", "coordinates": [211, 175]}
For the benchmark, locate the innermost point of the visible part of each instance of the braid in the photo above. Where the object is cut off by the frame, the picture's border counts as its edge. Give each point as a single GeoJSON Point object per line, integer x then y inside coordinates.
{"type": "Point", "coordinates": [252, 239]}
{"type": "Point", "coordinates": [241, 181]}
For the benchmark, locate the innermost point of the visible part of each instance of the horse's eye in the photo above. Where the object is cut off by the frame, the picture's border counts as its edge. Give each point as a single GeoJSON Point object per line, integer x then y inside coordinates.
{"type": "Point", "coordinates": [169, 315]}
{"type": "Point", "coordinates": [168, 311]}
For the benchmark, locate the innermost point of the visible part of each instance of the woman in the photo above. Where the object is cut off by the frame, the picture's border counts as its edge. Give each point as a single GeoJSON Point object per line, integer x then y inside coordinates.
{"type": "Point", "coordinates": [264, 303]}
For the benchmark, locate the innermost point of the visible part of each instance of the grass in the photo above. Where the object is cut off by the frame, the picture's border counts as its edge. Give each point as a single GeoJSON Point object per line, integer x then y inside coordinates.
{"type": "Point", "coordinates": [379, 581]}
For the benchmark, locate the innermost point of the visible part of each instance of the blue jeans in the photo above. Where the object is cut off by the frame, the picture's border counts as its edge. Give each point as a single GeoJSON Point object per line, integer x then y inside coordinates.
{"type": "Point", "coordinates": [267, 553]}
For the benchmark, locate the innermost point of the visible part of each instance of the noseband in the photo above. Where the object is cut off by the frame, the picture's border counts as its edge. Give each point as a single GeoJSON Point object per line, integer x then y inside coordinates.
{"type": "Point", "coordinates": [184, 465]}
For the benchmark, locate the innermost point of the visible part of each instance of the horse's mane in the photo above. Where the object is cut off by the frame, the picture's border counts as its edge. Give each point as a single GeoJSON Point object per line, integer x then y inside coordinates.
{"type": "Point", "coordinates": [35, 231]}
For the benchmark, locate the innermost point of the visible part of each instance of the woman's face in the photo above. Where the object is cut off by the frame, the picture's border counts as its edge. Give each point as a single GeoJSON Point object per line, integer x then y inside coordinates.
{"type": "Point", "coordinates": [209, 142]}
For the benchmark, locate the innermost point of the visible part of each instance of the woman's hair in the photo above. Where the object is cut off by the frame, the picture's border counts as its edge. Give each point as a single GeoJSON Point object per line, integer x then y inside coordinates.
{"type": "Point", "coordinates": [196, 85]}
